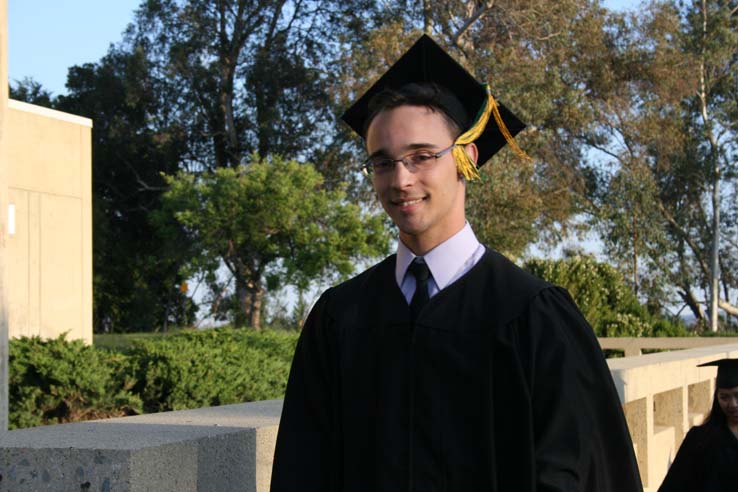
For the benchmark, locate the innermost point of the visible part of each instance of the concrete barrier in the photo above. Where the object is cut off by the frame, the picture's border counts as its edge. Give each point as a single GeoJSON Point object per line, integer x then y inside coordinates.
{"type": "Point", "coordinates": [633, 346]}
{"type": "Point", "coordinates": [663, 395]}
{"type": "Point", "coordinates": [227, 448]}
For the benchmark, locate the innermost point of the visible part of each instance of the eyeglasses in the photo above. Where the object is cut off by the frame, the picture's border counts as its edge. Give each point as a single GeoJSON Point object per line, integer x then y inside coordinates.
{"type": "Point", "coordinates": [417, 161]}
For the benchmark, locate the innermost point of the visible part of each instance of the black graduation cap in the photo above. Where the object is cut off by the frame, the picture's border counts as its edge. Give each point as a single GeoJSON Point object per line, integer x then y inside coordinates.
{"type": "Point", "coordinates": [427, 62]}
{"type": "Point", "coordinates": [727, 373]}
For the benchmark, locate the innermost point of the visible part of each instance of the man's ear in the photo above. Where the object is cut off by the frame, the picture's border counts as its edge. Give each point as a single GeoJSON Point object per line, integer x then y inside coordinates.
{"type": "Point", "coordinates": [472, 151]}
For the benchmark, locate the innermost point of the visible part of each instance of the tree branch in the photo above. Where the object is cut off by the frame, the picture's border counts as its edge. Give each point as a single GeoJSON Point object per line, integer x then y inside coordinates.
{"type": "Point", "coordinates": [728, 308]}
{"type": "Point", "coordinates": [680, 230]}
{"type": "Point", "coordinates": [475, 16]}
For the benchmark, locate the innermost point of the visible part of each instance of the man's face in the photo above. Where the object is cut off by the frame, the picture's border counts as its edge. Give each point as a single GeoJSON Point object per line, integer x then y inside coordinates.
{"type": "Point", "coordinates": [427, 205]}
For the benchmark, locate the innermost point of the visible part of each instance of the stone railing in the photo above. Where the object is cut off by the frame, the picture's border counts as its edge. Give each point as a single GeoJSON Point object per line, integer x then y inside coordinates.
{"type": "Point", "coordinates": [633, 346]}
{"type": "Point", "coordinates": [663, 395]}
{"type": "Point", "coordinates": [230, 448]}
{"type": "Point", "coordinates": [218, 449]}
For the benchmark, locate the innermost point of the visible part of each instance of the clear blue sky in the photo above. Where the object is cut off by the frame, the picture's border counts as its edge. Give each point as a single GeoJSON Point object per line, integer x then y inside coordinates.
{"type": "Point", "coordinates": [46, 37]}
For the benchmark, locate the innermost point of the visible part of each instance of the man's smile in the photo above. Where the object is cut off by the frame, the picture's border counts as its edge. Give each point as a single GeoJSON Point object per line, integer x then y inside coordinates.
{"type": "Point", "coordinates": [407, 202]}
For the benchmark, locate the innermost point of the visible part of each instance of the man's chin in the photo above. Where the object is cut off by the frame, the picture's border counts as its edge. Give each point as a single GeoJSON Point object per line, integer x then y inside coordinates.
{"type": "Point", "coordinates": [408, 228]}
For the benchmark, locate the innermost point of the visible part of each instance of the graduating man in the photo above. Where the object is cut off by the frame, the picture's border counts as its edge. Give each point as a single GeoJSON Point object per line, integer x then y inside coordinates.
{"type": "Point", "coordinates": [445, 367]}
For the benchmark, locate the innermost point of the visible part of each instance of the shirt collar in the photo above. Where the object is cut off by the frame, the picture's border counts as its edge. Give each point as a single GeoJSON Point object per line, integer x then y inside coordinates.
{"type": "Point", "coordinates": [444, 261]}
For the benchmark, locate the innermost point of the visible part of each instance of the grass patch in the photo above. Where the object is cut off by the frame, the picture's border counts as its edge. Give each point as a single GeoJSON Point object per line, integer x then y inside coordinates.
{"type": "Point", "coordinates": [124, 341]}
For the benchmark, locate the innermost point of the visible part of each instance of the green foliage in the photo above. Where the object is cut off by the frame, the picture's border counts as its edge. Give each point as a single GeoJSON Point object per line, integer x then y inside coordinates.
{"type": "Point", "coordinates": [212, 367]}
{"type": "Point", "coordinates": [662, 85]}
{"type": "Point", "coordinates": [246, 73]}
{"type": "Point", "coordinates": [134, 140]}
{"type": "Point", "coordinates": [271, 223]}
{"type": "Point", "coordinates": [604, 298]}
{"type": "Point", "coordinates": [57, 380]}
{"type": "Point", "coordinates": [32, 92]}
{"type": "Point", "coordinates": [54, 381]}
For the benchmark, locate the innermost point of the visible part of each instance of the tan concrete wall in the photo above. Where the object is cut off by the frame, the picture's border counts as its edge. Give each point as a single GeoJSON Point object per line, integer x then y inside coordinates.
{"type": "Point", "coordinates": [3, 217]}
{"type": "Point", "coordinates": [49, 185]}
{"type": "Point", "coordinates": [663, 395]}
{"type": "Point", "coordinates": [633, 346]}
{"type": "Point", "coordinates": [228, 448]}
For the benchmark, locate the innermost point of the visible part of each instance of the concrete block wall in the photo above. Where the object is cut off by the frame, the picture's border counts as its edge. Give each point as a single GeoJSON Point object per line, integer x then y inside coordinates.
{"type": "Point", "coordinates": [49, 184]}
{"type": "Point", "coordinates": [227, 448]}
{"type": "Point", "coordinates": [45, 219]}
{"type": "Point", "coordinates": [663, 395]}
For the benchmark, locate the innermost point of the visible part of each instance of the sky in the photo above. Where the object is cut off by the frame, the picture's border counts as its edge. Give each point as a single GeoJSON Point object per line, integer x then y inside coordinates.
{"type": "Point", "coordinates": [46, 37]}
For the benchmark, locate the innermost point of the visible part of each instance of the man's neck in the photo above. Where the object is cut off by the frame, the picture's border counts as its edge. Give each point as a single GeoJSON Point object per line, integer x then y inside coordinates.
{"type": "Point", "coordinates": [420, 245]}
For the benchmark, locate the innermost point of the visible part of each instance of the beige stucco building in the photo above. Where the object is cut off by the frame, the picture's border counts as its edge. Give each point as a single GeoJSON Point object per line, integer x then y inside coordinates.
{"type": "Point", "coordinates": [46, 216]}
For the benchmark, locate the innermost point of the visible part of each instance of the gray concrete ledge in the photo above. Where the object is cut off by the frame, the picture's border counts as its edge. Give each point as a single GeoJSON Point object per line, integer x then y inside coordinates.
{"type": "Point", "coordinates": [227, 448]}
{"type": "Point", "coordinates": [633, 346]}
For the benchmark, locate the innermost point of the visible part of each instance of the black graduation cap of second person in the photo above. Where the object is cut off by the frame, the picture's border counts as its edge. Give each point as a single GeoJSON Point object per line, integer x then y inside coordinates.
{"type": "Point", "coordinates": [426, 62]}
{"type": "Point", "coordinates": [727, 372]}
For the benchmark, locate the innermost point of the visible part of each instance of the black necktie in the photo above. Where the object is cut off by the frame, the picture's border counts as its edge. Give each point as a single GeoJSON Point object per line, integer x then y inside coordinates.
{"type": "Point", "coordinates": [420, 271]}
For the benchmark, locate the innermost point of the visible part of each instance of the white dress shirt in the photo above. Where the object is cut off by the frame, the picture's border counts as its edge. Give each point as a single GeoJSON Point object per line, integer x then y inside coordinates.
{"type": "Point", "coordinates": [447, 262]}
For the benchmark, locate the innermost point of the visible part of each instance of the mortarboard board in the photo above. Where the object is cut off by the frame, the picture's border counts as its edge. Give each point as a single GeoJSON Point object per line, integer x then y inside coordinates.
{"type": "Point", "coordinates": [426, 62]}
{"type": "Point", "coordinates": [727, 373]}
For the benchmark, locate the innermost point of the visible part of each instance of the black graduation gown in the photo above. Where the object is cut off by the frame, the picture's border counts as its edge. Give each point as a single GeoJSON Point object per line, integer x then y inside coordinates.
{"type": "Point", "coordinates": [500, 385]}
{"type": "Point", "coordinates": [707, 461]}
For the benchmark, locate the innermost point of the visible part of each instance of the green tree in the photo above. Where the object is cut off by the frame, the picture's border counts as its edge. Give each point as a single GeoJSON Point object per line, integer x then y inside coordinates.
{"type": "Point", "coordinates": [248, 75]}
{"type": "Point", "coordinates": [663, 85]}
{"type": "Point", "coordinates": [30, 91]}
{"type": "Point", "coordinates": [711, 37]}
{"type": "Point", "coordinates": [134, 139]}
{"type": "Point", "coordinates": [270, 222]}
{"type": "Point", "coordinates": [195, 85]}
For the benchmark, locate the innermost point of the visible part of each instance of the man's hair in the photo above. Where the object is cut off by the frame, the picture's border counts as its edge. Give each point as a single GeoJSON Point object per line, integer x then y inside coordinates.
{"type": "Point", "coordinates": [427, 94]}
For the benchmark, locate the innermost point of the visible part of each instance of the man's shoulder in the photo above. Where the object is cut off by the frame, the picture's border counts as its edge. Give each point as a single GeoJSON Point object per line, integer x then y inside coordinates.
{"type": "Point", "coordinates": [370, 278]}
{"type": "Point", "coordinates": [507, 288]}
{"type": "Point", "coordinates": [507, 274]}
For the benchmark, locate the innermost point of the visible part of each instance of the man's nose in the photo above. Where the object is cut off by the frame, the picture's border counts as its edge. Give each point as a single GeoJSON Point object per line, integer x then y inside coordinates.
{"type": "Point", "coordinates": [401, 177]}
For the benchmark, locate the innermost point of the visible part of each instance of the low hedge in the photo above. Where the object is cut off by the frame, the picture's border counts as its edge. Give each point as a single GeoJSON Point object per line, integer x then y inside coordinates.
{"type": "Point", "coordinates": [213, 367]}
{"type": "Point", "coordinates": [54, 381]}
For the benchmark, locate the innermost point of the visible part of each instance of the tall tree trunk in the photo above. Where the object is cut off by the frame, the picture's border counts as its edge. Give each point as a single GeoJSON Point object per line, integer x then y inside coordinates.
{"type": "Point", "coordinates": [243, 313]}
{"type": "Point", "coordinates": [257, 297]}
{"type": "Point", "coordinates": [250, 294]}
{"type": "Point", "coordinates": [714, 260]}
{"type": "Point", "coordinates": [635, 254]}
{"type": "Point", "coordinates": [714, 281]}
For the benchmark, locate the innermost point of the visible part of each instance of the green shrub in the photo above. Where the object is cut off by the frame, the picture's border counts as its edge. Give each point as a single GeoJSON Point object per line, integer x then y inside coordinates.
{"type": "Point", "coordinates": [54, 381]}
{"type": "Point", "coordinates": [213, 367]}
{"type": "Point", "coordinates": [604, 298]}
